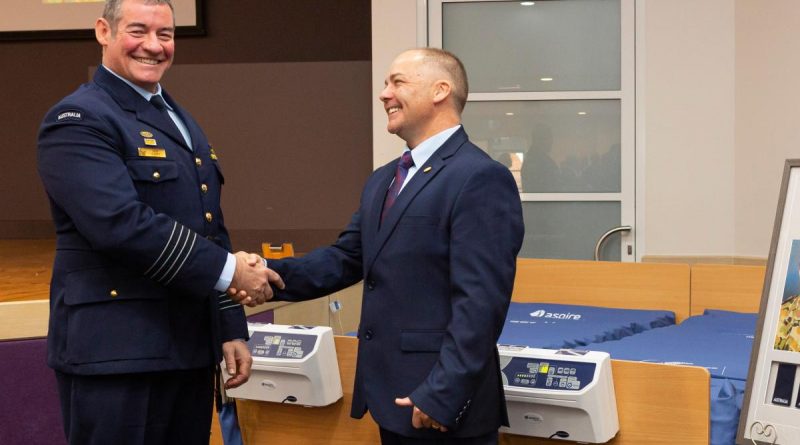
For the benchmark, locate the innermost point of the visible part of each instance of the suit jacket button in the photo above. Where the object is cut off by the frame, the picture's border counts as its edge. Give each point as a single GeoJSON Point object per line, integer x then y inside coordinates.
{"type": "Point", "coordinates": [209, 216]}
{"type": "Point", "coordinates": [368, 334]}
{"type": "Point", "coordinates": [198, 161]}
{"type": "Point", "coordinates": [204, 188]}
{"type": "Point", "coordinates": [370, 284]}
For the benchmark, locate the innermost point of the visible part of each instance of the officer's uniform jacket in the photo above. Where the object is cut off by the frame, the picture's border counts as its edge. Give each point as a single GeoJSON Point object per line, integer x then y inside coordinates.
{"type": "Point", "coordinates": [140, 236]}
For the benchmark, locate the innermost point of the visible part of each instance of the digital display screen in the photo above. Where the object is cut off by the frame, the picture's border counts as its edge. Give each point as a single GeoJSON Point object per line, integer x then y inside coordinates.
{"type": "Point", "coordinates": [527, 372]}
{"type": "Point", "coordinates": [281, 345]}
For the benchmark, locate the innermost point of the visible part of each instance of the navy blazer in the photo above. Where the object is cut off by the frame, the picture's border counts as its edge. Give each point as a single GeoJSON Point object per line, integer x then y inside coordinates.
{"type": "Point", "coordinates": [438, 275]}
{"type": "Point", "coordinates": [140, 236]}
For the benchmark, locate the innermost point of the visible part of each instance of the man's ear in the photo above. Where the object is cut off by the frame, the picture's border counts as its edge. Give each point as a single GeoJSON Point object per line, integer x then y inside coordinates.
{"type": "Point", "coordinates": [102, 32]}
{"type": "Point", "coordinates": [441, 91]}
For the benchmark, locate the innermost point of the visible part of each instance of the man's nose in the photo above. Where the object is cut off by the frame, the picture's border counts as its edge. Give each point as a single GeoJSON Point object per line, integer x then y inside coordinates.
{"type": "Point", "coordinates": [385, 94]}
{"type": "Point", "coordinates": [152, 44]}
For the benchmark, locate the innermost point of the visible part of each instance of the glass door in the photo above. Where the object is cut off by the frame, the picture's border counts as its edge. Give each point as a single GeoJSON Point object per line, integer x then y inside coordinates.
{"type": "Point", "coordinates": [552, 98]}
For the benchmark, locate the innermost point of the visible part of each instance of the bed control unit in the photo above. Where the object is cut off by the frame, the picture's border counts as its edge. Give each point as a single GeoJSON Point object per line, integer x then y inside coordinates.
{"type": "Point", "coordinates": [562, 394]}
{"type": "Point", "coordinates": [291, 364]}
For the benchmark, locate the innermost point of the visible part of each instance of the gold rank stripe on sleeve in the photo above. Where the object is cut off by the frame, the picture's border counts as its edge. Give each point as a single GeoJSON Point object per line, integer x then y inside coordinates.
{"type": "Point", "coordinates": [150, 152]}
{"type": "Point", "coordinates": [175, 253]}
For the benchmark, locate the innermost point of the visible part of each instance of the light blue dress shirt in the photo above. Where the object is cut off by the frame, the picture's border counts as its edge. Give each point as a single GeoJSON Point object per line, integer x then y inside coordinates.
{"type": "Point", "coordinates": [422, 152]}
{"type": "Point", "coordinates": [147, 95]}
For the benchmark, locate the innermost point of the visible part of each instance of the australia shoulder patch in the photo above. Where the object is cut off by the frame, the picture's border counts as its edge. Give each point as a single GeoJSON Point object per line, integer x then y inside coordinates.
{"type": "Point", "coordinates": [69, 115]}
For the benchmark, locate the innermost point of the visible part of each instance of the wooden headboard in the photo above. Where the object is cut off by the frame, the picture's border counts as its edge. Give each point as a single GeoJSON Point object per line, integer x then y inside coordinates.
{"type": "Point", "coordinates": [605, 284]}
{"type": "Point", "coordinates": [728, 287]}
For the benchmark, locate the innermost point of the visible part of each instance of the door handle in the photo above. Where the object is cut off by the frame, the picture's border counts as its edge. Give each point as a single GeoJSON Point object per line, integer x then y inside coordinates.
{"type": "Point", "coordinates": [605, 236]}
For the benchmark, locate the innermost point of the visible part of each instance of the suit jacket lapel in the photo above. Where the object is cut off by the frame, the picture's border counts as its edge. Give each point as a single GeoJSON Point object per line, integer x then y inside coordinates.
{"type": "Point", "coordinates": [371, 220]}
{"type": "Point", "coordinates": [132, 101]}
{"type": "Point", "coordinates": [194, 131]}
{"type": "Point", "coordinates": [424, 175]}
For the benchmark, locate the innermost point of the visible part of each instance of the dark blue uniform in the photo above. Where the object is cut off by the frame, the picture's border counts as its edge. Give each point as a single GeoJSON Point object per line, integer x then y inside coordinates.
{"type": "Point", "coordinates": [140, 237]}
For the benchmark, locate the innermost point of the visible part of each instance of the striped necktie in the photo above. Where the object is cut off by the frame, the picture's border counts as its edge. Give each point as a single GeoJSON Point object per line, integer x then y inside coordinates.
{"type": "Point", "coordinates": [405, 163]}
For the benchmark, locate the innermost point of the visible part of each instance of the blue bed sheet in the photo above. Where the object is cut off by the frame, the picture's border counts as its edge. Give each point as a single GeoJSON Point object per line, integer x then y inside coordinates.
{"type": "Point", "coordinates": [555, 326]}
{"type": "Point", "coordinates": [720, 341]}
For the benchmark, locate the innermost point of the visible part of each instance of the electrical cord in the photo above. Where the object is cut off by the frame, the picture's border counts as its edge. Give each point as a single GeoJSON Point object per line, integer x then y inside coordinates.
{"type": "Point", "coordinates": [291, 399]}
{"type": "Point", "coordinates": [560, 434]}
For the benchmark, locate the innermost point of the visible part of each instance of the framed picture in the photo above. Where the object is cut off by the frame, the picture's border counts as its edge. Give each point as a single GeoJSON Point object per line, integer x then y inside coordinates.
{"type": "Point", "coordinates": [74, 19]}
{"type": "Point", "coordinates": [771, 408]}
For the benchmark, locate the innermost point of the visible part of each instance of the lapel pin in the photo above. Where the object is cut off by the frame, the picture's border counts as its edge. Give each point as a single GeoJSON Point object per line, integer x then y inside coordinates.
{"type": "Point", "coordinates": [427, 169]}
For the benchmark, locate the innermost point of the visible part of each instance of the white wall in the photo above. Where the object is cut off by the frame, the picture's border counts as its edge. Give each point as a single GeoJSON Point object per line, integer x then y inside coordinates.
{"type": "Point", "coordinates": [394, 29]}
{"type": "Point", "coordinates": [689, 127]}
{"type": "Point", "coordinates": [719, 83]}
{"type": "Point", "coordinates": [767, 118]}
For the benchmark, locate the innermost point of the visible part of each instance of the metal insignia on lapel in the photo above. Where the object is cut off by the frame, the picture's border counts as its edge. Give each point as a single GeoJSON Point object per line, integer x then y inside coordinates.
{"type": "Point", "coordinates": [213, 155]}
{"type": "Point", "coordinates": [150, 141]}
{"type": "Point", "coordinates": [145, 134]}
{"type": "Point", "coordinates": [427, 169]}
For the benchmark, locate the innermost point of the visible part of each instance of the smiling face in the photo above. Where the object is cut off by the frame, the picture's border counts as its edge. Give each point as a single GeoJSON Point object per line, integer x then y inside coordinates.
{"type": "Point", "coordinates": [141, 46]}
{"type": "Point", "coordinates": [409, 97]}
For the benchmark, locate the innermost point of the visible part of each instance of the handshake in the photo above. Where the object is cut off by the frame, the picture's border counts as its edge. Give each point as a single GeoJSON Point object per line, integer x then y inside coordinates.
{"type": "Point", "coordinates": [253, 280]}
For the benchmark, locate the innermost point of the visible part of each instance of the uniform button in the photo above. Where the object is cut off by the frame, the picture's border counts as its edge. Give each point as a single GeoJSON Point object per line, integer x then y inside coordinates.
{"type": "Point", "coordinates": [156, 175]}
{"type": "Point", "coordinates": [368, 335]}
{"type": "Point", "coordinates": [209, 216]}
{"type": "Point", "coordinates": [204, 188]}
{"type": "Point", "coordinates": [198, 161]}
{"type": "Point", "coordinates": [370, 284]}
{"type": "Point", "coordinates": [113, 293]}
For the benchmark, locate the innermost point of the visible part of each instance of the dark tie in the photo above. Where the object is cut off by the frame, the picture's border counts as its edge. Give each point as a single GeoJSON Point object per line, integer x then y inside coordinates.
{"type": "Point", "coordinates": [405, 162]}
{"type": "Point", "coordinates": [161, 105]}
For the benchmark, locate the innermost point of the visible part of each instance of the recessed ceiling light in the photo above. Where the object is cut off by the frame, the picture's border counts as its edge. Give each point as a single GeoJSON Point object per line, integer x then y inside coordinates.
{"type": "Point", "coordinates": [582, 113]}
{"type": "Point", "coordinates": [526, 3]}
{"type": "Point", "coordinates": [546, 79]}
{"type": "Point", "coordinates": [509, 114]}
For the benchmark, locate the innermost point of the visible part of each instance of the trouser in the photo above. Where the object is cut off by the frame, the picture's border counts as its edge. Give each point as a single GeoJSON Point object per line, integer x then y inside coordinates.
{"type": "Point", "coordinates": [172, 407]}
{"type": "Point", "coordinates": [390, 438]}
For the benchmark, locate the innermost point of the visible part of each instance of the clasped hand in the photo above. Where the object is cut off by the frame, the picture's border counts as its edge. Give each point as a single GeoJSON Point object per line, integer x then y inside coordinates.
{"type": "Point", "coordinates": [253, 280]}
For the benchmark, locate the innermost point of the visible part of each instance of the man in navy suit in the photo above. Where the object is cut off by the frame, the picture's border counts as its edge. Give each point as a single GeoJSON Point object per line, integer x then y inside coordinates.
{"type": "Point", "coordinates": [435, 240]}
{"type": "Point", "coordinates": [139, 315]}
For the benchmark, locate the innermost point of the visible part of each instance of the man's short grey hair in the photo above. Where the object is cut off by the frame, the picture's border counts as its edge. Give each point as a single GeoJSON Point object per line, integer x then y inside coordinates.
{"type": "Point", "coordinates": [451, 65]}
{"type": "Point", "coordinates": [112, 12]}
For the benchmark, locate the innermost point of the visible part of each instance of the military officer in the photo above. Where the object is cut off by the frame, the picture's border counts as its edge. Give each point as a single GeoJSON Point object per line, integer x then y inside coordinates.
{"type": "Point", "coordinates": [139, 315]}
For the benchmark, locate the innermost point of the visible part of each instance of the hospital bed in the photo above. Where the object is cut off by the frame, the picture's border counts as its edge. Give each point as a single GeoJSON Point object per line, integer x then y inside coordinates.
{"type": "Point", "coordinates": [676, 410]}
{"type": "Point", "coordinates": [718, 340]}
{"type": "Point", "coordinates": [673, 411]}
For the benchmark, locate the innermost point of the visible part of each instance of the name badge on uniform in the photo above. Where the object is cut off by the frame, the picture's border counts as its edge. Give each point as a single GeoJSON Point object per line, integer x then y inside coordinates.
{"type": "Point", "coordinates": [147, 152]}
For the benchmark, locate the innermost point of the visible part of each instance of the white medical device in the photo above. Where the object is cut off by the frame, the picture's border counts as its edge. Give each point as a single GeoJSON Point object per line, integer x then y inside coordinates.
{"type": "Point", "coordinates": [291, 364]}
{"type": "Point", "coordinates": [562, 394]}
